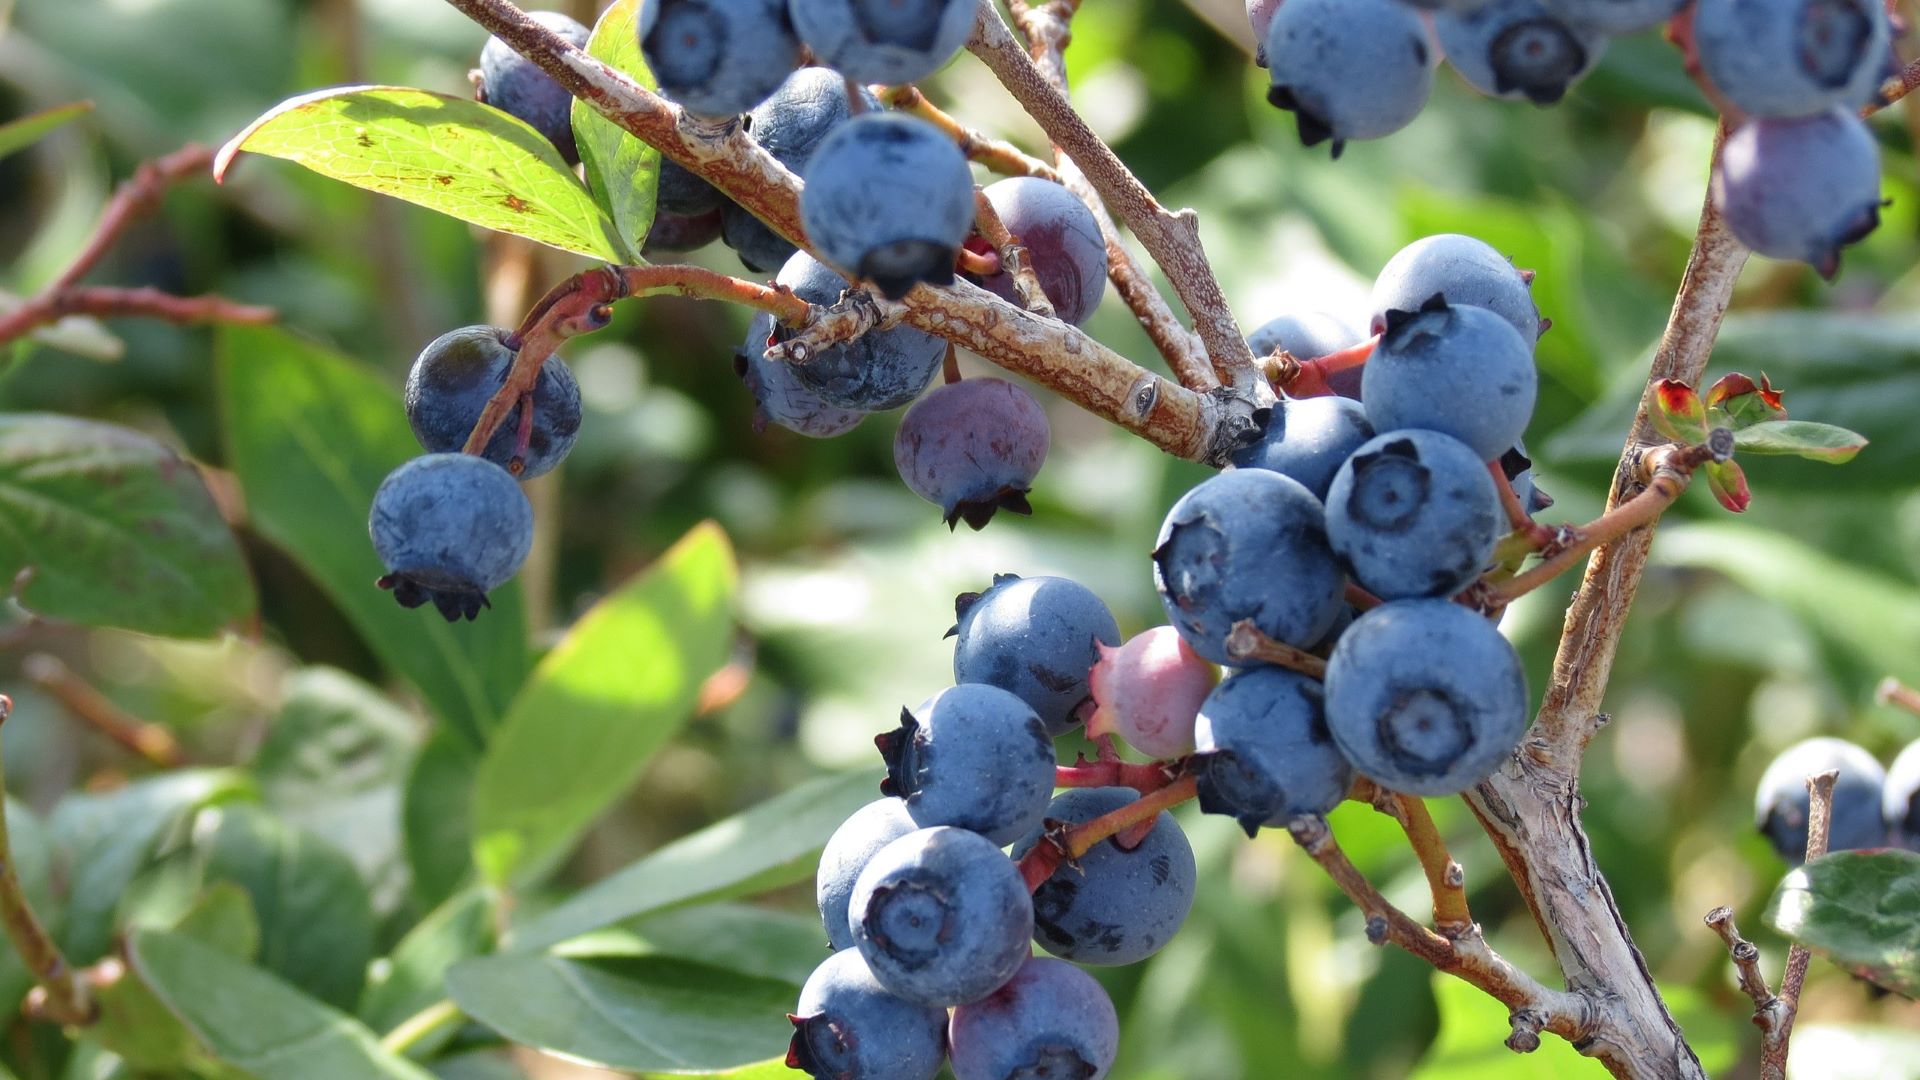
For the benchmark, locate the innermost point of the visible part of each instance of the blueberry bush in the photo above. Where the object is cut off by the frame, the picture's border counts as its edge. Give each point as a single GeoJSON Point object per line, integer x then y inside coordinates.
{"type": "Point", "coordinates": [489, 598]}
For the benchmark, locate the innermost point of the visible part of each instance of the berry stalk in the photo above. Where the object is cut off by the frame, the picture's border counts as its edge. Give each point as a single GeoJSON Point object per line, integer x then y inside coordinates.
{"type": "Point", "coordinates": [1064, 844]}
{"type": "Point", "coordinates": [1013, 255]}
{"type": "Point", "coordinates": [1308, 378]}
{"type": "Point", "coordinates": [1247, 642]}
{"type": "Point", "coordinates": [1145, 779]}
{"type": "Point", "coordinates": [58, 995]}
{"type": "Point", "coordinates": [997, 156]}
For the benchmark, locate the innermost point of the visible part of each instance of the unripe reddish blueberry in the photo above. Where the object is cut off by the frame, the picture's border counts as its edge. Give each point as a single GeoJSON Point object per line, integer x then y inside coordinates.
{"type": "Point", "coordinates": [1148, 691]}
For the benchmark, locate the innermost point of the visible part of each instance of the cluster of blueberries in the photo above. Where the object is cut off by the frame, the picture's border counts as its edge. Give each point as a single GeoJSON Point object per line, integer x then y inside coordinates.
{"type": "Point", "coordinates": [929, 896]}
{"type": "Point", "coordinates": [1872, 807]}
{"type": "Point", "coordinates": [1799, 176]}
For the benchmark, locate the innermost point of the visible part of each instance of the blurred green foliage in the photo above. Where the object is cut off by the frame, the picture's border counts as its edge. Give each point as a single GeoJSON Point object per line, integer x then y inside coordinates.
{"type": "Point", "coordinates": [1748, 634]}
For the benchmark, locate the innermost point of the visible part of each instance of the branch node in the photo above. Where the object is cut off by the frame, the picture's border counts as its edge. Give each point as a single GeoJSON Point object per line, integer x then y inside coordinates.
{"type": "Point", "coordinates": [1525, 1038]}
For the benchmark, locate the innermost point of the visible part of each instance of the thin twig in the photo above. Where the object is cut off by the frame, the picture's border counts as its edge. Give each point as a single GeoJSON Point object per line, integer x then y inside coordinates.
{"type": "Point", "coordinates": [88, 705]}
{"type": "Point", "coordinates": [1245, 641]}
{"type": "Point", "coordinates": [1062, 843]}
{"type": "Point", "coordinates": [1773, 1051]}
{"type": "Point", "coordinates": [996, 154]}
{"type": "Point", "coordinates": [1142, 778]}
{"type": "Point", "coordinates": [109, 301]}
{"type": "Point", "coordinates": [135, 198]}
{"type": "Point", "coordinates": [1892, 691]}
{"type": "Point", "coordinates": [1013, 256]}
{"type": "Point", "coordinates": [1445, 879]}
{"type": "Point", "coordinates": [1299, 378]}
{"type": "Point", "coordinates": [1746, 963]}
{"type": "Point", "coordinates": [58, 995]}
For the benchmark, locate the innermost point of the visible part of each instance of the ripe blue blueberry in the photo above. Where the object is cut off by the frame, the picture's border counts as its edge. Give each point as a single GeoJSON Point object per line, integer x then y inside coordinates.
{"type": "Point", "coordinates": [780, 397]}
{"type": "Point", "coordinates": [459, 371]}
{"type": "Point", "coordinates": [718, 57]}
{"type": "Point", "coordinates": [449, 528]}
{"type": "Point", "coordinates": [1519, 49]}
{"type": "Point", "coordinates": [1036, 637]}
{"type": "Point", "coordinates": [1308, 439]}
{"type": "Point", "coordinates": [1051, 1020]}
{"type": "Point", "coordinates": [880, 369]}
{"type": "Point", "coordinates": [884, 41]}
{"type": "Point", "coordinates": [1247, 544]}
{"type": "Point", "coordinates": [890, 198]}
{"type": "Point", "coordinates": [671, 233]}
{"type": "Point", "coordinates": [974, 757]}
{"type": "Point", "coordinates": [1786, 58]}
{"type": "Point", "coordinates": [1264, 754]}
{"type": "Point", "coordinates": [1462, 371]}
{"type": "Point", "coordinates": [1616, 17]}
{"type": "Point", "coordinates": [852, 845]}
{"type": "Point", "coordinates": [942, 917]}
{"type": "Point", "coordinates": [682, 192]}
{"type": "Point", "coordinates": [1414, 513]}
{"type": "Point", "coordinates": [1781, 800]}
{"type": "Point", "coordinates": [1348, 69]}
{"type": "Point", "coordinates": [790, 125]}
{"type": "Point", "coordinates": [1800, 189]}
{"type": "Point", "coordinates": [973, 448]}
{"type": "Point", "coordinates": [847, 1027]}
{"type": "Point", "coordinates": [1900, 804]}
{"type": "Point", "coordinates": [1060, 234]}
{"type": "Point", "coordinates": [1425, 696]}
{"type": "Point", "coordinates": [1115, 905]}
{"type": "Point", "coordinates": [515, 85]}
{"type": "Point", "coordinates": [1465, 271]}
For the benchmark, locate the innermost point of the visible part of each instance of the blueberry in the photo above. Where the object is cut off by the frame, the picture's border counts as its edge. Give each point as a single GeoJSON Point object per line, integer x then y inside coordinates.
{"type": "Point", "coordinates": [890, 198]}
{"type": "Point", "coordinates": [1062, 237]}
{"type": "Point", "coordinates": [880, 369]}
{"type": "Point", "coordinates": [458, 372]}
{"type": "Point", "coordinates": [1780, 801]}
{"type": "Point", "coordinates": [1348, 69]}
{"type": "Point", "coordinates": [718, 57]}
{"type": "Point", "coordinates": [1308, 439]}
{"type": "Point", "coordinates": [1425, 696]}
{"type": "Point", "coordinates": [847, 1027]}
{"type": "Point", "coordinates": [1519, 49]}
{"type": "Point", "coordinates": [974, 757]}
{"type": "Point", "coordinates": [683, 192]}
{"type": "Point", "coordinates": [1616, 17]}
{"type": "Point", "coordinates": [790, 125]}
{"type": "Point", "coordinates": [672, 233]}
{"type": "Point", "coordinates": [1414, 513]}
{"type": "Point", "coordinates": [1786, 58]}
{"type": "Point", "coordinates": [1462, 269]}
{"type": "Point", "coordinates": [858, 838]}
{"type": "Point", "coordinates": [1050, 1021]}
{"type": "Point", "coordinates": [1308, 335]}
{"type": "Point", "coordinates": [1462, 371]}
{"type": "Point", "coordinates": [973, 448]}
{"type": "Point", "coordinates": [1148, 692]}
{"type": "Point", "coordinates": [1247, 544]}
{"type": "Point", "coordinates": [779, 395]}
{"type": "Point", "coordinates": [515, 85]}
{"type": "Point", "coordinates": [1800, 189]}
{"type": "Point", "coordinates": [1901, 802]}
{"type": "Point", "coordinates": [1036, 637]}
{"type": "Point", "coordinates": [942, 917]}
{"type": "Point", "coordinates": [449, 528]}
{"type": "Point", "coordinates": [1260, 16]}
{"type": "Point", "coordinates": [884, 41]}
{"type": "Point", "coordinates": [1115, 905]}
{"type": "Point", "coordinates": [1265, 755]}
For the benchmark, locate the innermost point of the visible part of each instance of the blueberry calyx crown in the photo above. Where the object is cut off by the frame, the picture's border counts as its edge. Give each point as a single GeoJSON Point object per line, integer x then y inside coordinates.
{"type": "Point", "coordinates": [1314, 129]}
{"type": "Point", "coordinates": [1226, 786]}
{"type": "Point", "coordinates": [812, 1035]}
{"type": "Point", "coordinates": [977, 512]}
{"type": "Point", "coordinates": [452, 603]}
{"type": "Point", "coordinates": [1397, 318]}
{"type": "Point", "coordinates": [899, 749]}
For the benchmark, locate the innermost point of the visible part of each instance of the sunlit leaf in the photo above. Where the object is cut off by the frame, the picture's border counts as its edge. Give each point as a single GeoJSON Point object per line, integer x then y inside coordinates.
{"type": "Point", "coordinates": [1678, 412]}
{"type": "Point", "coordinates": [622, 172]}
{"type": "Point", "coordinates": [1859, 909]}
{"type": "Point", "coordinates": [1801, 438]}
{"type": "Point", "coordinates": [27, 130]}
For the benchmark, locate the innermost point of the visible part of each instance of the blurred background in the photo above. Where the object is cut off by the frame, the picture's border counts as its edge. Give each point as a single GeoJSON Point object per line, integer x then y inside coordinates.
{"type": "Point", "coordinates": [1749, 633]}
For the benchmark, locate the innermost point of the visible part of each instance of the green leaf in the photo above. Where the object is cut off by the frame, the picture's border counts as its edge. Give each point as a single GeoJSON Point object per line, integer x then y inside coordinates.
{"type": "Point", "coordinates": [254, 1022]}
{"type": "Point", "coordinates": [1859, 909]}
{"type": "Point", "coordinates": [114, 529]}
{"type": "Point", "coordinates": [1740, 401]}
{"type": "Point", "coordinates": [316, 925]}
{"type": "Point", "coordinates": [622, 681]}
{"type": "Point", "coordinates": [134, 1022]}
{"type": "Point", "coordinates": [1802, 438]}
{"type": "Point", "coordinates": [775, 843]}
{"type": "Point", "coordinates": [223, 917]}
{"type": "Point", "coordinates": [622, 172]}
{"type": "Point", "coordinates": [310, 436]}
{"type": "Point", "coordinates": [454, 155]}
{"type": "Point", "coordinates": [27, 130]}
{"type": "Point", "coordinates": [771, 1069]}
{"type": "Point", "coordinates": [105, 841]}
{"type": "Point", "coordinates": [437, 817]}
{"type": "Point", "coordinates": [414, 974]}
{"type": "Point", "coordinates": [630, 1013]}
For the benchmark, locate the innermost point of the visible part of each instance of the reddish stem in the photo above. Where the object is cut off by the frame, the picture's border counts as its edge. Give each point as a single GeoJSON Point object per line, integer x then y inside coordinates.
{"type": "Point", "coordinates": [1064, 843]}
{"type": "Point", "coordinates": [1142, 778]}
{"type": "Point", "coordinates": [1308, 378]}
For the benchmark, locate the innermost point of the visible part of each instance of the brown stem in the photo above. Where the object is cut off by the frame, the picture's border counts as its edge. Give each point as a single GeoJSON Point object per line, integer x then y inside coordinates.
{"type": "Point", "coordinates": [135, 198]}
{"type": "Point", "coordinates": [88, 705]}
{"type": "Point", "coordinates": [977, 263]}
{"type": "Point", "coordinates": [1013, 256]}
{"type": "Point", "coordinates": [58, 995]}
{"type": "Point", "coordinates": [997, 155]}
{"type": "Point", "coordinates": [1172, 238]}
{"type": "Point", "coordinates": [1247, 642]}
{"type": "Point", "coordinates": [1893, 691]}
{"type": "Point", "coordinates": [1773, 1050]}
{"type": "Point", "coordinates": [1065, 843]}
{"type": "Point", "coordinates": [1445, 879]}
{"type": "Point", "coordinates": [1746, 963]}
{"type": "Point", "coordinates": [1535, 535]}
{"type": "Point", "coordinates": [110, 301]}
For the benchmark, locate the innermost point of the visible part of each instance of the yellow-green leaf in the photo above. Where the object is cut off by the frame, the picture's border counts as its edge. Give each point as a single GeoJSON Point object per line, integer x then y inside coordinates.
{"type": "Point", "coordinates": [620, 684]}
{"type": "Point", "coordinates": [27, 130]}
{"type": "Point", "coordinates": [622, 171]}
{"type": "Point", "coordinates": [449, 154]}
